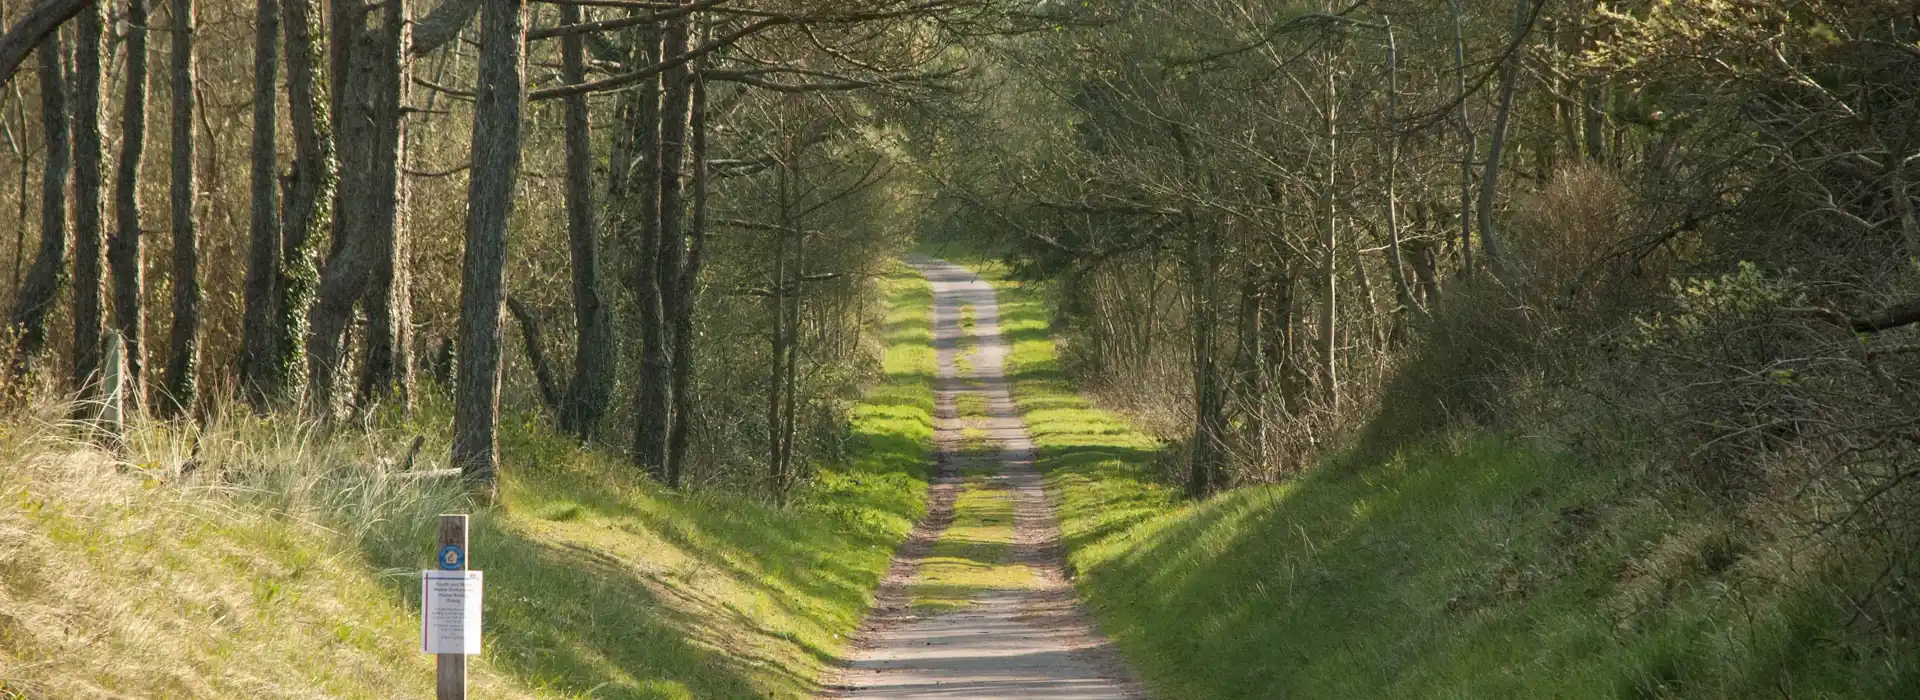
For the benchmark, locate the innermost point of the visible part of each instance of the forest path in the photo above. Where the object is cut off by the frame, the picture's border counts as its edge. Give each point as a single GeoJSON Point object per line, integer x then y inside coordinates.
{"type": "Point", "coordinates": [1023, 637]}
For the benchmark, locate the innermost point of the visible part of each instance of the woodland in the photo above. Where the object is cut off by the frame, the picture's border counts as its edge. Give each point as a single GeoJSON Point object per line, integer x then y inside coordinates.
{"type": "Point", "coordinates": [1674, 238]}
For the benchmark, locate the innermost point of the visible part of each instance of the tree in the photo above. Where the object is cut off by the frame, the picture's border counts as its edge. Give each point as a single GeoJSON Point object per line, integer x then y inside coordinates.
{"type": "Point", "coordinates": [183, 340]}
{"type": "Point", "coordinates": [588, 391]}
{"type": "Point", "coordinates": [124, 250]}
{"type": "Point", "coordinates": [498, 101]}
{"type": "Point", "coordinates": [364, 265]}
{"type": "Point", "coordinates": [40, 291]}
{"type": "Point", "coordinates": [388, 370]}
{"type": "Point", "coordinates": [89, 254]}
{"type": "Point", "coordinates": [34, 29]}
{"type": "Point", "coordinates": [260, 380]}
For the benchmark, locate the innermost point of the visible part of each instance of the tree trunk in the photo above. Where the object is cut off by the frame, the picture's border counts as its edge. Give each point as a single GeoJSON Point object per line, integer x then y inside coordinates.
{"type": "Point", "coordinates": [499, 99]}
{"type": "Point", "coordinates": [782, 343]}
{"type": "Point", "coordinates": [1329, 244]}
{"type": "Point", "coordinates": [89, 257]}
{"type": "Point", "coordinates": [40, 293]}
{"type": "Point", "coordinates": [536, 352]}
{"type": "Point", "coordinates": [651, 410]}
{"type": "Point", "coordinates": [124, 251]}
{"type": "Point", "coordinates": [34, 28]}
{"type": "Point", "coordinates": [263, 250]}
{"type": "Point", "coordinates": [683, 317]}
{"type": "Point", "coordinates": [309, 206]}
{"type": "Point", "coordinates": [1490, 175]}
{"type": "Point", "coordinates": [183, 340]}
{"type": "Point", "coordinates": [593, 349]}
{"type": "Point", "coordinates": [675, 102]}
{"type": "Point", "coordinates": [1402, 291]}
{"type": "Point", "coordinates": [1209, 421]}
{"type": "Point", "coordinates": [358, 227]}
{"type": "Point", "coordinates": [388, 370]}
{"type": "Point", "coordinates": [1469, 143]}
{"type": "Point", "coordinates": [349, 262]}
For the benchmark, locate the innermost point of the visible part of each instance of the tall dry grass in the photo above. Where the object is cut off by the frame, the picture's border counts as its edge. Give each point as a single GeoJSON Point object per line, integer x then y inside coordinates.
{"type": "Point", "coordinates": [197, 560]}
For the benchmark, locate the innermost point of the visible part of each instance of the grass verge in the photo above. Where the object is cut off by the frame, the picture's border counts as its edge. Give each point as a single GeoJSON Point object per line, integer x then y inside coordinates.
{"type": "Point", "coordinates": [971, 557]}
{"type": "Point", "coordinates": [1475, 567]}
{"type": "Point", "coordinates": [286, 564]}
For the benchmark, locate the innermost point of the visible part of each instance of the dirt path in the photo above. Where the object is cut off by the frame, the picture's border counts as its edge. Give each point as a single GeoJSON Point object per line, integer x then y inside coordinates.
{"type": "Point", "coordinates": [1032, 641]}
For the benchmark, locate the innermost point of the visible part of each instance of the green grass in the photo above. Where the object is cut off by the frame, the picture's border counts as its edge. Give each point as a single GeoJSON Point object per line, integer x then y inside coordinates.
{"type": "Point", "coordinates": [287, 567]}
{"type": "Point", "coordinates": [1481, 567]}
{"type": "Point", "coordinates": [971, 557]}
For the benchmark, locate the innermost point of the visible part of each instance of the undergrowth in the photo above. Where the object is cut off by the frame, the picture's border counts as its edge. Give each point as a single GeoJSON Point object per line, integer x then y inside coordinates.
{"type": "Point", "coordinates": [264, 557]}
{"type": "Point", "coordinates": [1466, 565]}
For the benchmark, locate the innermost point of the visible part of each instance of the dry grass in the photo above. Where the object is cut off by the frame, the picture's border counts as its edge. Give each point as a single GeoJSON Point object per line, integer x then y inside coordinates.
{"type": "Point", "coordinates": [284, 563]}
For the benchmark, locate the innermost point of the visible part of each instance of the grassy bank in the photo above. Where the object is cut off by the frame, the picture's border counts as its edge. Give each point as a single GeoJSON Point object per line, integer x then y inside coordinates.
{"type": "Point", "coordinates": [1481, 567]}
{"type": "Point", "coordinates": [285, 564]}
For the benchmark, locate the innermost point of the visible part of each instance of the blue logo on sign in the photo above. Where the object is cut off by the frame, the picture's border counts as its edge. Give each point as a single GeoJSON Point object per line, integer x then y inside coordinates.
{"type": "Point", "coordinates": [451, 558]}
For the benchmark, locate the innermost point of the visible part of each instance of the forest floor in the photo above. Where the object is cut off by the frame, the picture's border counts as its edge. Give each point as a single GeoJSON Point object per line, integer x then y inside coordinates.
{"type": "Point", "coordinates": [976, 604]}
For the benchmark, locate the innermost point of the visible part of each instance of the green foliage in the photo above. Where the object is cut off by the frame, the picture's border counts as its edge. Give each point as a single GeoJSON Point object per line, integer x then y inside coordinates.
{"type": "Point", "coordinates": [1481, 567]}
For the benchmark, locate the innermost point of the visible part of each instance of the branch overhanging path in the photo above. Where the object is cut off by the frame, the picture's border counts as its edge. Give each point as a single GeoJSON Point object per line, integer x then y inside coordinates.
{"type": "Point", "coordinates": [1029, 641]}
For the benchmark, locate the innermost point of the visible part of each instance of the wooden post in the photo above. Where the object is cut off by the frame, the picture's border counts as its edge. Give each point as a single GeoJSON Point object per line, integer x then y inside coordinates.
{"type": "Point", "coordinates": [451, 672]}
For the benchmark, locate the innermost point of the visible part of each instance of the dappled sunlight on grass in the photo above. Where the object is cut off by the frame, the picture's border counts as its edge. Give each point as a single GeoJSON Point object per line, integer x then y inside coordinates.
{"type": "Point", "coordinates": [972, 557]}
{"type": "Point", "coordinates": [286, 564]}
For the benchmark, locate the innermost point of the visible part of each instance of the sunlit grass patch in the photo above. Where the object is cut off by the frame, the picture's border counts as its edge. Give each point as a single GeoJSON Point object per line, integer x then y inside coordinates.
{"type": "Point", "coordinates": [972, 557]}
{"type": "Point", "coordinates": [970, 405]}
{"type": "Point", "coordinates": [269, 557]}
{"type": "Point", "coordinates": [1480, 566]}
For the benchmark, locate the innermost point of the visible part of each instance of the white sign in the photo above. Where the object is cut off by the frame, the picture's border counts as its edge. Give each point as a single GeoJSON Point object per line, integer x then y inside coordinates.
{"type": "Point", "coordinates": [450, 612]}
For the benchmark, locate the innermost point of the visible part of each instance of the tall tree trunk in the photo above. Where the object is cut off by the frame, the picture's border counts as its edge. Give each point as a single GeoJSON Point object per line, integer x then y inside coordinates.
{"type": "Point", "coordinates": [1402, 291]}
{"type": "Point", "coordinates": [89, 256]}
{"type": "Point", "coordinates": [685, 305]}
{"type": "Point", "coordinates": [257, 379]}
{"type": "Point", "coordinates": [183, 340]}
{"type": "Point", "coordinates": [388, 370]}
{"type": "Point", "coordinates": [1469, 143]}
{"type": "Point", "coordinates": [40, 292]}
{"type": "Point", "coordinates": [349, 262]}
{"type": "Point", "coordinates": [789, 432]}
{"type": "Point", "coordinates": [651, 410]}
{"type": "Point", "coordinates": [675, 101]}
{"type": "Point", "coordinates": [309, 206]}
{"type": "Point", "coordinates": [1329, 244]}
{"type": "Point", "coordinates": [589, 390]}
{"type": "Point", "coordinates": [499, 99]}
{"type": "Point", "coordinates": [124, 251]}
{"type": "Point", "coordinates": [1206, 452]}
{"type": "Point", "coordinates": [782, 343]}
{"type": "Point", "coordinates": [1490, 173]}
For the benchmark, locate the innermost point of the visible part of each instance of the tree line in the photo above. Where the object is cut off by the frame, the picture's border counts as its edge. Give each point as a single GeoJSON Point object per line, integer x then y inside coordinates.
{"type": "Point", "coordinates": [1310, 220]}
{"type": "Point", "coordinates": [726, 187]}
